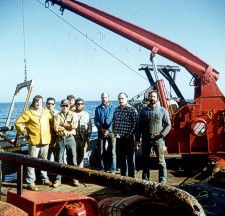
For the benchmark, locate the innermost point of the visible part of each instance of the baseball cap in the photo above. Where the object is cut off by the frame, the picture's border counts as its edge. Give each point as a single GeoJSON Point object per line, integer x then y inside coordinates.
{"type": "Point", "coordinates": [65, 102]}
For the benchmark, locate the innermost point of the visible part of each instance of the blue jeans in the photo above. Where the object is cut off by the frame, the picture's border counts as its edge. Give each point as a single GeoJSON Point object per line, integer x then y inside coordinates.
{"type": "Point", "coordinates": [158, 147]}
{"type": "Point", "coordinates": [81, 150]}
{"type": "Point", "coordinates": [126, 151]}
{"type": "Point", "coordinates": [69, 145]}
{"type": "Point", "coordinates": [51, 150]}
{"type": "Point", "coordinates": [107, 152]}
{"type": "Point", "coordinates": [37, 151]}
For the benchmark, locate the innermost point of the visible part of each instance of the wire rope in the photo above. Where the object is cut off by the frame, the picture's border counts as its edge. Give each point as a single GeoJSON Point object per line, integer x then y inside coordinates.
{"type": "Point", "coordinates": [24, 45]}
{"type": "Point", "coordinates": [85, 35]}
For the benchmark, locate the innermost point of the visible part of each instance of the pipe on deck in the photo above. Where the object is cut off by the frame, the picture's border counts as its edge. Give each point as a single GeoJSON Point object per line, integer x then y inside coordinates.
{"type": "Point", "coordinates": [156, 192]}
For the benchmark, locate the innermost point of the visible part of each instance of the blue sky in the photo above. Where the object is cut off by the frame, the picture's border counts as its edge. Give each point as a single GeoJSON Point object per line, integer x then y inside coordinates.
{"type": "Point", "coordinates": [63, 61]}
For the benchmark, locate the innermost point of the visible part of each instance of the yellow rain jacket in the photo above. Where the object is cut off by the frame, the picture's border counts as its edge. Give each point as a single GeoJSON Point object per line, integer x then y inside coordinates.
{"type": "Point", "coordinates": [37, 126]}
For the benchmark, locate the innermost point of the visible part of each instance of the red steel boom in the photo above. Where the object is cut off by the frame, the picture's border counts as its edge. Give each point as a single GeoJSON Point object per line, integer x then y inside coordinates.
{"type": "Point", "coordinates": [197, 128]}
{"type": "Point", "coordinates": [145, 38]}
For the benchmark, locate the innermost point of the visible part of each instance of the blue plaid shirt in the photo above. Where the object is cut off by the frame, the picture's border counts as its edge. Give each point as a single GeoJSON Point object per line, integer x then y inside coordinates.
{"type": "Point", "coordinates": [125, 121]}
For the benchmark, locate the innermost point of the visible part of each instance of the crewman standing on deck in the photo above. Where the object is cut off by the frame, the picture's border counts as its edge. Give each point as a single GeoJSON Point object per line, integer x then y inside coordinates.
{"type": "Point", "coordinates": [124, 127]}
{"type": "Point", "coordinates": [83, 131]}
{"type": "Point", "coordinates": [154, 124]}
{"type": "Point", "coordinates": [72, 107]}
{"type": "Point", "coordinates": [106, 139]}
{"type": "Point", "coordinates": [50, 104]}
{"type": "Point", "coordinates": [65, 124]}
{"type": "Point", "coordinates": [71, 99]}
{"type": "Point", "coordinates": [35, 124]}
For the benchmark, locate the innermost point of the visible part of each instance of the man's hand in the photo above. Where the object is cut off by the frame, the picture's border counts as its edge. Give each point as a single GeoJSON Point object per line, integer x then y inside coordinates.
{"type": "Point", "coordinates": [127, 136]}
{"type": "Point", "coordinates": [138, 145]}
{"type": "Point", "coordinates": [25, 133]}
{"type": "Point", "coordinates": [61, 128]}
{"type": "Point", "coordinates": [158, 136]}
{"type": "Point", "coordinates": [66, 125]}
{"type": "Point", "coordinates": [88, 137]}
{"type": "Point", "coordinates": [104, 132]}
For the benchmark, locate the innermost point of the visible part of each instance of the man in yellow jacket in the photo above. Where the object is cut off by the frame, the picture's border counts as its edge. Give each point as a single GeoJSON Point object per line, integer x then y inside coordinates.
{"type": "Point", "coordinates": [36, 125]}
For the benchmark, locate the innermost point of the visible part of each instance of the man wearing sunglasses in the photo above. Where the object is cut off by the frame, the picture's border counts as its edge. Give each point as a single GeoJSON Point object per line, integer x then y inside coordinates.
{"type": "Point", "coordinates": [50, 104]}
{"type": "Point", "coordinates": [83, 131]}
{"type": "Point", "coordinates": [65, 124]}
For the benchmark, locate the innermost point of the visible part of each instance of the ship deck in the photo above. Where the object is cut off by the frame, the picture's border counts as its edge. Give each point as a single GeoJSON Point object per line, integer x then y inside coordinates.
{"type": "Point", "coordinates": [176, 177]}
{"type": "Point", "coordinates": [206, 188]}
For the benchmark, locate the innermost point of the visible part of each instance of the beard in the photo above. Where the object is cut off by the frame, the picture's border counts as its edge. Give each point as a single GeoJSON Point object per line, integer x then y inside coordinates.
{"type": "Point", "coordinates": [105, 103]}
{"type": "Point", "coordinates": [80, 109]}
{"type": "Point", "coordinates": [152, 101]}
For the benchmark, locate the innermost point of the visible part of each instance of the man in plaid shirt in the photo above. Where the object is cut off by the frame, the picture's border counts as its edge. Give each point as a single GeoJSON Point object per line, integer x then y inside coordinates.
{"type": "Point", "coordinates": [124, 127]}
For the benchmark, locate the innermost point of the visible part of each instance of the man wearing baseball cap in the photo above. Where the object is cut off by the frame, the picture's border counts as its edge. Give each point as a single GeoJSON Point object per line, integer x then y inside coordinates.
{"type": "Point", "coordinates": [65, 124]}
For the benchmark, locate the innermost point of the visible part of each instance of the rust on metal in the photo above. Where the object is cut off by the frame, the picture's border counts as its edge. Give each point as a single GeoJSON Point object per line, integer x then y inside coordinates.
{"type": "Point", "coordinates": [154, 191]}
{"type": "Point", "coordinates": [7, 209]}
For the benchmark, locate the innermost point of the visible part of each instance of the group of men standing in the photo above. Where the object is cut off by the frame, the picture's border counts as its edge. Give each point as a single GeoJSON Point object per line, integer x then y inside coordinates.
{"type": "Point", "coordinates": [121, 130]}
{"type": "Point", "coordinates": [50, 133]}
{"type": "Point", "coordinates": [116, 129]}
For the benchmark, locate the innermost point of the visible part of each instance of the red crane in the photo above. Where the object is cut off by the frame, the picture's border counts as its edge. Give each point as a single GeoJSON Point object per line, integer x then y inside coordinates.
{"type": "Point", "coordinates": [198, 128]}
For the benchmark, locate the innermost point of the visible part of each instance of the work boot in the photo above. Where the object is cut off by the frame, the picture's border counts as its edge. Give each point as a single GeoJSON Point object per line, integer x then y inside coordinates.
{"type": "Point", "coordinates": [56, 184]}
{"type": "Point", "coordinates": [76, 183]}
{"type": "Point", "coordinates": [32, 187]}
{"type": "Point", "coordinates": [47, 182]}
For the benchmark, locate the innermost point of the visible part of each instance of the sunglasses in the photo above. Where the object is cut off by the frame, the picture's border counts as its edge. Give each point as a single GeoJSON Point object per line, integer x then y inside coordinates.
{"type": "Point", "coordinates": [79, 104]}
{"type": "Point", "coordinates": [51, 104]}
{"type": "Point", "coordinates": [64, 105]}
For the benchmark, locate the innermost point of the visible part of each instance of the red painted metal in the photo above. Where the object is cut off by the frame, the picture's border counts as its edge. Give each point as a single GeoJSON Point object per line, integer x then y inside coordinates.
{"type": "Point", "coordinates": [52, 203]}
{"type": "Point", "coordinates": [74, 209]}
{"type": "Point", "coordinates": [209, 102]}
{"type": "Point", "coordinates": [145, 38]}
{"type": "Point", "coordinates": [163, 96]}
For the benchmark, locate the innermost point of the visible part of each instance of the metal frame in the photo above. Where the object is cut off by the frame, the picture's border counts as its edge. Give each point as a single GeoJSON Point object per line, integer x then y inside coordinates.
{"type": "Point", "coordinates": [29, 85]}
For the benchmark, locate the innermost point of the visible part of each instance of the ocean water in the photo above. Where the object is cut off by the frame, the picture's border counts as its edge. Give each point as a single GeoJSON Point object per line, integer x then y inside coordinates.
{"type": "Point", "coordinates": [18, 108]}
